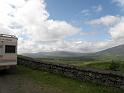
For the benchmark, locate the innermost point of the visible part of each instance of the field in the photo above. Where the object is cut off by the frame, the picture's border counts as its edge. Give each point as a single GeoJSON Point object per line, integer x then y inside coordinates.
{"type": "Point", "coordinates": [97, 64]}
{"type": "Point", "coordinates": [48, 83]}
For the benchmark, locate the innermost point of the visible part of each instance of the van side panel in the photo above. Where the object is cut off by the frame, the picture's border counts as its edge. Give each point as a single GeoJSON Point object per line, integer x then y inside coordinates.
{"type": "Point", "coordinates": [7, 59]}
{"type": "Point", "coordinates": [1, 50]}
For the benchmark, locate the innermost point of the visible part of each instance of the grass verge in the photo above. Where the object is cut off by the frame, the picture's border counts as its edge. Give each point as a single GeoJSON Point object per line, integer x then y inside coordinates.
{"type": "Point", "coordinates": [58, 84]}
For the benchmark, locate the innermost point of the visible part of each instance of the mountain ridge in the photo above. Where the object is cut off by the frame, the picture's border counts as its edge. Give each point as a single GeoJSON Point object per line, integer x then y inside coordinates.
{"type": "Point", "coordinates": [110, 53]}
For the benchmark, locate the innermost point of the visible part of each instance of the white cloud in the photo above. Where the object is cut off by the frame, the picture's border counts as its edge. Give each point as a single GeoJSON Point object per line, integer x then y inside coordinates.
{"type": "Point", "coordinates": [98, 8]}
{"type": "Point", "coordinates": [119, 2]}
{"type": "Point", "coordinates": [29, 20]}
{"type": "Point", "coordinates": [115, 25]}
{"type": "Point", "coordinates": [85, 12]}
{"type": "Point", "coordinates": [62, 45]}
{"type": "Point", "coordinates": [106, 20]}
{"type": "Point", "coordinates": [92, 10]}
{"type": "Point", "coordinates": [117, 31]}
{"type": "Point", "coordinates": [39, 26]}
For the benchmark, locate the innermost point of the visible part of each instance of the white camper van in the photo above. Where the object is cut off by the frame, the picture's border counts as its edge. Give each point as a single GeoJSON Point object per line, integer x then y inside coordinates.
{"type": "Point", "coordinates": [8, 51]}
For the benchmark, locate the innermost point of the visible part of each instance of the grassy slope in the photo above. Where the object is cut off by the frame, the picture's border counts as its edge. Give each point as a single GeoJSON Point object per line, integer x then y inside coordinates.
{"type": "Point", "coordinates": [57, 84]}
{"type": "Point", "coordinates": [99, 64]}
{"type": "Point", "coordinates": [105, 65]}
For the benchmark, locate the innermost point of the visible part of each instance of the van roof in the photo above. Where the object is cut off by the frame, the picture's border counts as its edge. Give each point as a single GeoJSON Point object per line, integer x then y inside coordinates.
{"type": "Point", "coordinates": [8, 36]}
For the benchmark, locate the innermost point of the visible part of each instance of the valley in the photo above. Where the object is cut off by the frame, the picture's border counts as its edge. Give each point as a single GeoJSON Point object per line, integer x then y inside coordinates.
{"type": "Point", "coordinates": [99, 60]}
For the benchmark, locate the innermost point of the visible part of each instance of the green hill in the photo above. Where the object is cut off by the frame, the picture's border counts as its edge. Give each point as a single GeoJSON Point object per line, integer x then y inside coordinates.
{"type": "Point", "coordinates": [115, 53]}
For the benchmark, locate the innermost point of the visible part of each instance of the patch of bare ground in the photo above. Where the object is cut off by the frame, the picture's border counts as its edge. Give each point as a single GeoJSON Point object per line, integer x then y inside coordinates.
{"type": "Point", "coordinates": [18, 83]}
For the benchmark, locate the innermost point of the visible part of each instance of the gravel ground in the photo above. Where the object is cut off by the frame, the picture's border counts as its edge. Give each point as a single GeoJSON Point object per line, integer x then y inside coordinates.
{"type": "Point", "coordinates": [17, 83]}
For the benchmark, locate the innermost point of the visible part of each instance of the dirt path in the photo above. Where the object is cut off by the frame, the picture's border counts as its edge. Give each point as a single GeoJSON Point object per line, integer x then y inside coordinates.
{"type": "Point", "coordinates": [16, 83]}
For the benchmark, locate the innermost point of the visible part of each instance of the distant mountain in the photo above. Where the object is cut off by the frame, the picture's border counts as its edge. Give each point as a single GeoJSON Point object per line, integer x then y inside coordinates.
{"type": "Point", "coordinates": [111, 53]}
{"type": "Point", "coordinates": [54, 54]}
{"type": "Point", "coordinates": [116, 52]}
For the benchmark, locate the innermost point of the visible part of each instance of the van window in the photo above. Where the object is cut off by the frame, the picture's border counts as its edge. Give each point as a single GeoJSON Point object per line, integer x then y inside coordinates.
{"type": "Point", "coordinates": [10, 49]}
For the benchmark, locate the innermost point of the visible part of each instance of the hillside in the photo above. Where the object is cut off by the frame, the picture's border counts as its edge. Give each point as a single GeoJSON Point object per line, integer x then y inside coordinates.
{"type": "Point", "coordinates": [116, 52]}
{"type": "Point", "coordinates": [54, 54]}
{"type": "Point", "coordinates": [109, 54]}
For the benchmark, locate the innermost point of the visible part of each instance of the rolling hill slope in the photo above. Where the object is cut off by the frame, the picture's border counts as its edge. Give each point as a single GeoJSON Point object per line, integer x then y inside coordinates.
{"type": "Point", "coordinates": [111, 53]}
{"type": "Point", "coordinates": [116, 52]}
{"type": "Point", "coordinates": [54, 54]}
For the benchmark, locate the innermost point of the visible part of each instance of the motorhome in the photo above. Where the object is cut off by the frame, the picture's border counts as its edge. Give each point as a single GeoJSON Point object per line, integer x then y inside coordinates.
{"type": "Point", "coordinates": [8, 51]}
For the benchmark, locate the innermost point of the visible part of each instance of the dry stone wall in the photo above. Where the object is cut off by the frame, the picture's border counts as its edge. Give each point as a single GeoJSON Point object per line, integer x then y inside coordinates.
{"type": "Point", "coordinates": [108, 78]}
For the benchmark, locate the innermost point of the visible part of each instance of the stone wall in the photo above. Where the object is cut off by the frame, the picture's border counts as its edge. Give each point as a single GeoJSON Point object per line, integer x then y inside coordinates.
{"type": "Point", "coordinates": [108, 78]}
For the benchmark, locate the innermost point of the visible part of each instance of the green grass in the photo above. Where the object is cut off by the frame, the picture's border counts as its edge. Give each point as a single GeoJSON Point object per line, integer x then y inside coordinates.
{"type": "Point", "coordinates": [98, 64]}
{"type": "Point", "coordinates": [105, 65]}
{"type": "Point", "coordinates": [59, 84]}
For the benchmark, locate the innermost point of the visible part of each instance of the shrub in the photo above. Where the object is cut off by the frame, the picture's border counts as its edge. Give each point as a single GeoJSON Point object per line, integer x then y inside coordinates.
{"type": "Point", "coordinates": [114, 66]}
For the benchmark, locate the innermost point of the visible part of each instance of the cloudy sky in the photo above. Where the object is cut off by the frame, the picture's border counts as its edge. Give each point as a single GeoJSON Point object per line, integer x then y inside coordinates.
{"type": "Point", "coordinates": [63, 25]}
